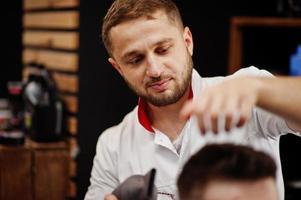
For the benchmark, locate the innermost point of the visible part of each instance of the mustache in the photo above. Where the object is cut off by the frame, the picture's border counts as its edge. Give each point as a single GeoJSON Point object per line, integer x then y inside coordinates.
{"type": "Point", "coordinates": [151, 81]}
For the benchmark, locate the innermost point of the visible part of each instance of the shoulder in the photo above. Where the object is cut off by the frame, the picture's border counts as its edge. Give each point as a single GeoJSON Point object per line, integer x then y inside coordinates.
{"type": "Point", "coordinates": [199, 82]}
{"type": "Point", "coordinates": [247, 71]}
{"type": "Point", "coordinates": [251, 71]}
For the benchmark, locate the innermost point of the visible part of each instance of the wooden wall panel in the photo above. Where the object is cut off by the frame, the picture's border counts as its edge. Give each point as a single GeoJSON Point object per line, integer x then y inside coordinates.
{"type": "Point", "coordinates": [71, 103]}
{"type": "Point", "coordinates": [44, 4]}
{"type": "Point", "coordinates": [72, 125]}
{"type": "Point", "coordinates": [66, 82]}
{"type": "Point", "coordinates": [72, 189]}
{"type": "Point", "coordinates": [64, 61]}
{"type": "Point", "coordinates": [73, 147]}
{"type": "Point", "coordinates": [72, 168]}
{"type": "Point", "coordinates": [51, 39]}
{"type": "Point", "coordinates": [52, 20]}
{"type": "Point", "coordinates": [25, 73]}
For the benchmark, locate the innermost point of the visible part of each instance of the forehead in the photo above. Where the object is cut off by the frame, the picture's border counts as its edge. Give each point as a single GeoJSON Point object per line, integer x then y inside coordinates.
{"type": "Point", "coordinates": [143, 31]}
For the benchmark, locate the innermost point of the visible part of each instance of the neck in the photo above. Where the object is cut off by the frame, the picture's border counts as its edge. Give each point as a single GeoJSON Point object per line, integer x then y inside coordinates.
{"type": "Point", "coordinates": [166, 118]}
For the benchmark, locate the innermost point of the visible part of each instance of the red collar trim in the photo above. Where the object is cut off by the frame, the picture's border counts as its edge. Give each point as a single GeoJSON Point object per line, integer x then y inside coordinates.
{"type": "Point", "coordinates": [142, 113]}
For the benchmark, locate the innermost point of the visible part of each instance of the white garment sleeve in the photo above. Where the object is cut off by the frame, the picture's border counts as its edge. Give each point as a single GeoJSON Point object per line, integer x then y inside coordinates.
{"type": "Point", "coordinates": [103, 179]}
{"type": "Point", "coordinates": [251, 71]}
{"type": "Point", "coordinates": [270, 124]}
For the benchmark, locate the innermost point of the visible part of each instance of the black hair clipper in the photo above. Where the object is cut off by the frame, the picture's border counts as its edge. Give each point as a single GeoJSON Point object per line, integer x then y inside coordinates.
{"type": "Point", "coordinates": [137, 187]}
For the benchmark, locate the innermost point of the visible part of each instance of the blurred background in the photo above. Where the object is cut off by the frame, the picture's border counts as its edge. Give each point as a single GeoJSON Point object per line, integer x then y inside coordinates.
{"type": "Point", "coordinates": [63, 38]}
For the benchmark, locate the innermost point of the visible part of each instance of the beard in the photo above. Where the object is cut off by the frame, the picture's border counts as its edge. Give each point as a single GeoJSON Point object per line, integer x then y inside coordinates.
{"type": "Point", "coordinates": [170, 97]}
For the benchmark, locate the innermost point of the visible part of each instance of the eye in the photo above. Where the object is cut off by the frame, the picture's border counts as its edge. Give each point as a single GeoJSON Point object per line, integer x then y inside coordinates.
{"type": "Point", "coordinates": [136, 60]}
{"type": "Point", "coordinates": [163, 50]}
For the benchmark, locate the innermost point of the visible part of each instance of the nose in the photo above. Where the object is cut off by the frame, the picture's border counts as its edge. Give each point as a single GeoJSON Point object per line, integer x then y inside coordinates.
{"type": "Point", "coordinates": [154, 67]}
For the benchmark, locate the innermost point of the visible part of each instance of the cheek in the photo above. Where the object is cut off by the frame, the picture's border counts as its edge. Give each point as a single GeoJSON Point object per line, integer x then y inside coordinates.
{"type": "Point", "coordinates": [135, 77]}
{"type": "Point", "coordinates": [180, 58]}
{"type": "Point", "coordinates": [179, 65]}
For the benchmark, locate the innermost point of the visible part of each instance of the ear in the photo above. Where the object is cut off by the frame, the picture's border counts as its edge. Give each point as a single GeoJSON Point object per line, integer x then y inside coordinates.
{"type": "Point", "coordinates": [115, 65]}
{"type": "Point", "coordinates": [188, 40]}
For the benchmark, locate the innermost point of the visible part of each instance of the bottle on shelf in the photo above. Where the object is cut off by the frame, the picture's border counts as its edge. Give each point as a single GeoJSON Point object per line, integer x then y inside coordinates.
{"type": "Point", "coordinates": [43, 110]}
{"type": "Point", "coordinates": [5, 115]}
{"type": "Point", "coordinates": [16, 103]}
{"type": "Point", "coordinates": [11, 111]}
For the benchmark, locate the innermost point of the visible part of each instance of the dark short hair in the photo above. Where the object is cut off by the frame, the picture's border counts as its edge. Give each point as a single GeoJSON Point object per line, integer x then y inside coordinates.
{"type": "Point", "coordinates": [223, 162]}
{"type": "Point", "coordinates": [125, 10]}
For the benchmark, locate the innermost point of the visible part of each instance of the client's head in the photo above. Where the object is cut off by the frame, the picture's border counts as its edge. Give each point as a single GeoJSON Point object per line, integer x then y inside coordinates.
{"type": "Point", "coordinates": [228, 172]}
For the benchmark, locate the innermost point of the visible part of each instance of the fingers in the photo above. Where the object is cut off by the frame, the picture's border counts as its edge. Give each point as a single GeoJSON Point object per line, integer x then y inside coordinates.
{"type": "Point", "coordinates": [231, 112]}
{"type": "Point", "coordinates": [110, 197]}
{"type": "Point", "coordinates": [228, 121]}
{"type": "Point", "coordinates": [216, 112]}
{"type": "Point", "coordinates": [245, 113]}
{"type": "Point", "coordinates": [202, 125]}
{"type": "Point", "coordinates": [222, 115]}
{"type": "Point", "coordinates": [219, 111]}
{"type": "Point", "coordinates": [197, 108]}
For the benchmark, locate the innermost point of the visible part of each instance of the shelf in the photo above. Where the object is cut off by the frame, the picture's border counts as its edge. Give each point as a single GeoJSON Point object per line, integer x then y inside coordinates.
{"type": "Point", "coordinates": [236, 34]}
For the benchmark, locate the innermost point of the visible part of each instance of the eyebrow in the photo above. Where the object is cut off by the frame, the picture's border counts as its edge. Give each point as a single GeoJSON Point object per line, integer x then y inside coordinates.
{"type": "Point", "coordinates": [135, 52]}
{"type": "Point", "coordinates": [167, 40]}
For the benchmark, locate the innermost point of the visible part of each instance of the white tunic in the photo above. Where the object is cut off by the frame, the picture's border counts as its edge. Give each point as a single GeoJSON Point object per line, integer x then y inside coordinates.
{"type": "Point", "coordinates": [134, 147]}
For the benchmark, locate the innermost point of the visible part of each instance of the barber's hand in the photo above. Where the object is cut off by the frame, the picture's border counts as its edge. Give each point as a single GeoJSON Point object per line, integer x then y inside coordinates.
{"type": "Point", "coordinates": [232, 99]}
{"type": "Point", "coordinates": [110, 197]}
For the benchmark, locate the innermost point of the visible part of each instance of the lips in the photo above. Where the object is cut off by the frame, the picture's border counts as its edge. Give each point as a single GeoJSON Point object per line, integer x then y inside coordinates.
{"type": "Point", "coordinates": [159, 86]}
